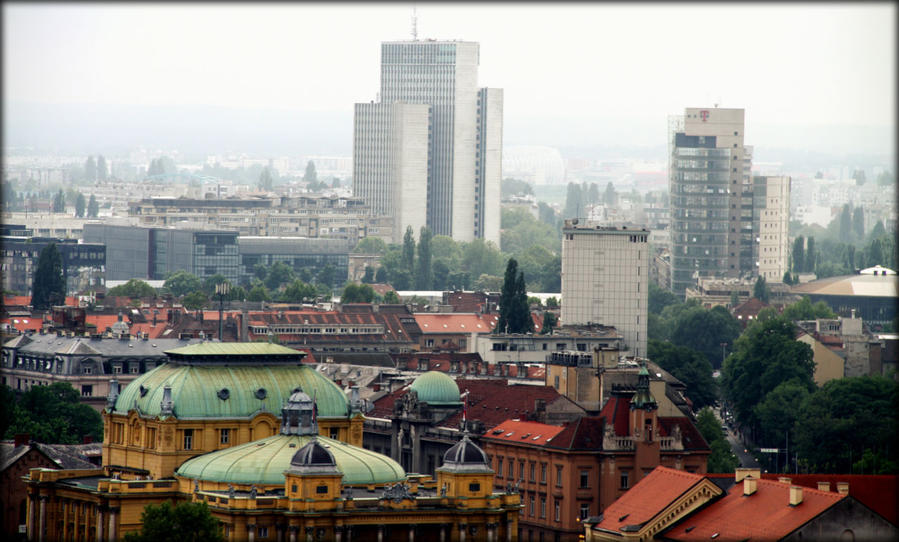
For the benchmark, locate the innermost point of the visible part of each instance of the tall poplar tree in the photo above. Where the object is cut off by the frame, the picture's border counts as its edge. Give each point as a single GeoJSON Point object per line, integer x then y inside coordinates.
{"type": "Point", "coordinates": [514, 313]}
{"type": "Point", "coordinates": [424, 275]}
{"type": "Point", "coordinates": [49, 286]}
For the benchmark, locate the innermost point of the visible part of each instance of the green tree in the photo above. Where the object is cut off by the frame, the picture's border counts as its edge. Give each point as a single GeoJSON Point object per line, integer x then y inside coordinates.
{"type": "Point", "coordinates": [258, 292]}
{"type": "Point", "coordinates": [659, 298]}
{"type": "Point", "coordinates": [846, 224]}
{"type": "Point", "coordinates": [279, 273]}
{"type": "Point", "coordinates": [369, 276]}
{"type": "Point", "coordinates": [80, 205]}
{"type": "Point", "coordinates": [93, 208]}
{"type": "Point", "coordinates": [760, 290]}
{"type": "Point", "coordinates": [265, 179]}
{"type": "Point", "coordinates": [799, 254]}
{"type": "Point", "coordinates": [550, 321]}
{"type": "Point", "coordinates": [859, 176]}
{"type": "Point", "coordinates": [704, 330]}
{"type": "Point", "coordinates": [722, 459]}
{"type": "Point", "coordinates": [392, 298]}
{"type": "Point", "coordinates": [49, 284]}
{"type": "Point", "coordinates": [409, 249]}
{"type": "Point", "coordinates": [90, 169]}
{"type": "Point", "coordinates": [181, 283]}
{"type": "Point", "coordinates": [574, 204]}
{"type": "Point", "coordinates": [765, 355]}
{"type": "Point", "coordinates": [858, 222]}
{"type": "Point", "coordinates": [514, 187]}
{"type": "Point", "coordinates": [54, 414]}
{"type": "Point", "coordinates": [357, 293]}
{"type": "Point", "coordinates": [310, 176]}
{"type": "Point", "coordinates": [299, 292]}
{"type": "Point", "coordinates": [777, 413]}
{"type": "Point", "coordinates": [185, 521]}
{"type": "Point", "coordinates": [805, 310]}
{"type": "Point", "coordinates": [195, 300]}
{"type": "Point", "coordinates": [102, 170]}
{"type": "Point", "coordinates": [370, 245]}
{"type": "Point", "coordinates": [735, 297]}
{"type": "Point", "coordinates": [593, 194]}
{"type": "Point", "coordinates": [59, 202]}
{"type": "Point", "coordinates": [811, 256]}
{"type": "Point", "coordinates": [134, 288]}
{"type": "Point", "coordinates": [424, 273]}
{"type": "Point", "coordinates": [481, 257]}
{"type": "Point", "coordinates": [7, 409]}
{"type": "Point", "coordinates": [514, 314]}
{"type": "Point", "coordinates": [844, 419]}
{"type": "Point", "coordinates": [552, 303]}
{"type": "Point", "coordinates": [327, 276]}
{"type": "Point", "coordinates": [610, 197]}
{"type": "Point", "coordinates": [690, 367]}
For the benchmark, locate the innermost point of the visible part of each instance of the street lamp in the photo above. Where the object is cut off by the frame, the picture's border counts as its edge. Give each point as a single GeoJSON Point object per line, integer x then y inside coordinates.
{"type": "Point", "coordinates": [222, 290]}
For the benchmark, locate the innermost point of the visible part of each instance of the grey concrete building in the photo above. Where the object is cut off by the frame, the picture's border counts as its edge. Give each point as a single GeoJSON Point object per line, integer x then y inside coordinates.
{"type": "Point", "coordinates": [605, 280]}
{"type": "Point", "coordinates": [297, 252]}
{"type": "Point", "coordinates": [463, 145]}
{"type": "Point", "coordinates": [83, 264]}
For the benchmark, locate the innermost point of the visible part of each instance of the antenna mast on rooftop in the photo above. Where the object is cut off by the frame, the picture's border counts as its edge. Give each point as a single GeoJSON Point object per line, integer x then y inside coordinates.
{"type": "Point", "coordinates": [414, 24]}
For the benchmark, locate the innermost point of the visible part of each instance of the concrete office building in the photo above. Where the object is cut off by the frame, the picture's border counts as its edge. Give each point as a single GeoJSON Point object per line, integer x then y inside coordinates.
{"type": "Point", "coordinates": [83, 264]}
{"type": "Point", "coordinates": [771, 226]}
{"type": "Point", "coordinates": [605, 273]}
{"type": "Point", "coordinates": [454, 165]}
{"type": "Point", "coordinates": [711, 197]}
{"type": "Point", "coordinates": [300, 253]}
{"type": "Point", "coordinates": [153, 253]}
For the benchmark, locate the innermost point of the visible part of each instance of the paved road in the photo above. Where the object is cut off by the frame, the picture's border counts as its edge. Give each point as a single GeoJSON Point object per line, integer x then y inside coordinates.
{"type": "Point", "coordinates": [746, 458]}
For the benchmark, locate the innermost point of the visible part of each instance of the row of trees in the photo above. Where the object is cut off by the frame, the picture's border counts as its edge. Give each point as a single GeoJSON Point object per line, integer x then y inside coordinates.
{"type": "Point", "coordinates": [722, 459]}
{"type": "Point", "coordinates": [580, 195]}
{"type": "Point", "coordinates": [92, 208]}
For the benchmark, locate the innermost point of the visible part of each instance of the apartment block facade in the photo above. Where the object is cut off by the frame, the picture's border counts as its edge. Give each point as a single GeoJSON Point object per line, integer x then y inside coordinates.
{"type": "Point", "coordinates": [771, 226]}
{"type": "Point", "coordinates": [432, 137]}
{"type": "Point", "coordinates": [605, 280]}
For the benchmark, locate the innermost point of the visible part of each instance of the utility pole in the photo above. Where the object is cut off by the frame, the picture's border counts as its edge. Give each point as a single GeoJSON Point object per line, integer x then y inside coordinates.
{"type": "Point", "coordinates": [222, 290]}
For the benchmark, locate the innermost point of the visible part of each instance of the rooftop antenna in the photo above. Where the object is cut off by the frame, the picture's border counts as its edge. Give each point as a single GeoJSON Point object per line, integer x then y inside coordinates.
{"type": "Point", "coordinates": [414, 24]}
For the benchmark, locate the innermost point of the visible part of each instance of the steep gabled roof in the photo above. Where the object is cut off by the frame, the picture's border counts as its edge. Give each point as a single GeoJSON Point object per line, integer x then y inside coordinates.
{"type": "Point", "coordinates": [879, 492]}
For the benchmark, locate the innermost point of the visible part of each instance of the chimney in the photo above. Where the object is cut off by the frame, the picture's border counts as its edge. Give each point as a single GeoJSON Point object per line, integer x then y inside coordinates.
{"type": "Point", "coordinates": [88, 439]}
{"type": "Point", "coordinates": [743, 472]}
{"type": "Point", "coordinates": [21, 439]}
{"type": "Point", "coordinates": [750, 484]}
{"type": "Point", "coordinates": [784, 480]}
{"type": "Point", "coordinates": [843, 488]}
{"type": "Point", "coordinates": [795, 495]}
{"type": "Point", "coordinates": [113, 394]}
{"type": "Point", "coordinates": [823, 486]}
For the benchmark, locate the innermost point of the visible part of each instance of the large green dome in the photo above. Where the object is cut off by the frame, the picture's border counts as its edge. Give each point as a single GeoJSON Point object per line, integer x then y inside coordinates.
{"type": "Point", "coordinates": [436, 388]}
{"type": "Point", "coordinates": [264, 462]}
{"type": "Point", "coordinates": [218, 390]}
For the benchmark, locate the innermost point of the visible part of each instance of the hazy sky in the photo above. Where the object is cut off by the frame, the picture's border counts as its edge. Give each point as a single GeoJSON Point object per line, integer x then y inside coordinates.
{"type": "Point", "coordinates": [600, 65]}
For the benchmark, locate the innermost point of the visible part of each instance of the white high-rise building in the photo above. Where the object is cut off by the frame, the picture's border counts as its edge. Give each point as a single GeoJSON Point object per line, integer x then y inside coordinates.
{"type": "Point", "coordinates": [605, 280]}
{"type": "Point", "coordinates": [772, 229]}
{"type": "Point", "coordinates": [460, 190]}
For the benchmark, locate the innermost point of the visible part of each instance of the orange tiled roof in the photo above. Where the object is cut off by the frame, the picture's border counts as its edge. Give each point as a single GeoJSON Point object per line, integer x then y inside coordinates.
{"type": "Point", "coordinates": [879, 492]}
{"type": "Point", "coordinates": [735, 517]}
{"type": "Point", "coordinates": [24, 323]}
{"type": "Point", "coordinates": [532, 433]}
{"type": "Point", "coordinates": [649, 497]}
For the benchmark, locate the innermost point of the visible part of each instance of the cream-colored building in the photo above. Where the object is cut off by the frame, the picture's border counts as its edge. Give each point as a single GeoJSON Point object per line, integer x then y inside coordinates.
{"type": "Point", "coordinates": [605, 272]}
{"type": "Point", "coordinates": [773, 226]}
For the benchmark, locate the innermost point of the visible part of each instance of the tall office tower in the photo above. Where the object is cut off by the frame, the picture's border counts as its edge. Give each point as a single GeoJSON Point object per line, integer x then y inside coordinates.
{"type": "Point", "coordinates": [464, 139]}
{"type": "Point", "coordinates": [605, 280]}
{"type": "Point", "coordinates": [711, 197]}
{"type": "Point", "coordinates": [771, 226]}
{"type": "Point", "coordinates": [390, 154]}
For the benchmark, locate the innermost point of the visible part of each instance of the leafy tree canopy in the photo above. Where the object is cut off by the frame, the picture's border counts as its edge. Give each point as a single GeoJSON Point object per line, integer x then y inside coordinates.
{"type": "Point", "coordinates": [805, 310]}
{"type": "Point", "coordinates": [704, 330]}
{"type": "Point", "coordinates": [54, 414]}
{"type": "Point", "coordinates": [181, 283]}
{"type": "Point", "coordinates": [134, 288]}
{"type": "Point", "coordinates": [514, 187]}
{"type": "Point", "coordinates": [49, 285]}
{"type": "Point", "coordinates": [370, 245]}
{"type": "Point", "coordinates": [185, 521]}
{"type": "Point", "coordinates": [358, 293]}
{"type": "Point", "coordinates": [690, 367]}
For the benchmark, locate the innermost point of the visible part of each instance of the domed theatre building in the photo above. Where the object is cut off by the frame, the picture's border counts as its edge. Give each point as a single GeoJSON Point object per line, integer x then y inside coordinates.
{"type": "Point", "coordinates": [274, 448]}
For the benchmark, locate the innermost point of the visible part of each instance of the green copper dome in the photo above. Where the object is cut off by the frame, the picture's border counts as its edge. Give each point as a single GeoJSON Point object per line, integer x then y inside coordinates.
{"type": "Point", "coordinates": [264, 462]}
{"type": "Point", "coordinates": [436, 388]}
{"type": "Point", "coordinates": [229, 390]}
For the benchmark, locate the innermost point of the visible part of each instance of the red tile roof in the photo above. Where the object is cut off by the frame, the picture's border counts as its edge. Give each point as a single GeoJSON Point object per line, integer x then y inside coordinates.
{"type": "Point", "coordinates": [397, 325]}
{"type": "Point", "coordinates": [516, 431]}
{"type": "Point", "coordinates": [583, 434]}
{"type": "Point", "coordinates": [451, 322]}
{"type": "Point", "coordinates": [648, 498]}
{"type": "Point", "coordinates": [880, 493]}
{"type": "Point", "coordinates": [23, 323]}
{"type": "Point", "coordinates": [735, 517]}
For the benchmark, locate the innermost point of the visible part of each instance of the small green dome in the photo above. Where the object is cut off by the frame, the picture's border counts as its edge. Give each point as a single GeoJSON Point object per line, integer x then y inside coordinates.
{"type": "Point", "coordinates": [264, 462]}
{"type": "Point", "coordinates": [436, 388]}
{"type": "Point", "coordinates": [219, 390]}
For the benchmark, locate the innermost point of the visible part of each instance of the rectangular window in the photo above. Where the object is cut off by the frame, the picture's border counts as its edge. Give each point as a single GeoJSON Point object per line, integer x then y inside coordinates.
{"type": "Point", "coordinates": [542, 507]}
{"type": "Point", "coordinates": [533, 469]}
{"type": "Point", "coordinates": [521, 470]}
{"type": "Point", "coordinates": [321, 490]}
{"type": "Point", "coordinates": [87, 390]}
{"type": "Point", "coordinates": [585, 479]}
{"type": "Point", "coordinates": [625, 481]}
{"type": "Point", "coordinates": [117, 370]}
{"type": "Point", "coordinates": [188, 439]}
{"type": "Point", "coordinates": [558, 475]}
{"type": "Point", "coordinates": [499, 467]}
{"type": "Point", "coordinates": [556, 381]}
{"type": "Point", "coordinates": [87, 370]}
{"type": "Point", "coordinates": [263, 532]}
{"type": "Point", "coordinates": [558, 511]}
{"type": "Point", "coordinates": [224, 436]}
{"type": "Point", "coordinates": [542, 473]}
{"type": "Point", "coordinates": [532, 505]}
{"type": "Point", "coordinates": [584, 511]}
{"type": "Point", "coordinates": [511, 469]}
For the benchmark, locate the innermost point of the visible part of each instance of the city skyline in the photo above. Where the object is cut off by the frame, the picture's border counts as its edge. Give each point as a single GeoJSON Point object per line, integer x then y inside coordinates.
{"type": "Point", "coordinates": [575, 74]}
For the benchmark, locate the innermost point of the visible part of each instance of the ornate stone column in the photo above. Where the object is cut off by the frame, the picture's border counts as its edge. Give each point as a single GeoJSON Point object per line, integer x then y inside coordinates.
{"type": "Point", "coordinates": [42, 522]}
{"type": "Point", "coordinates": [491, 532]}
{"type": "Point", "coordinates": [380, 533]}
{"type": "Point", "coordinates": [32, 516]}
{"type": "Point", "coordinates": [113, 523]}
{"type": "Point", "coordinates": [310, 531]}
{"type": "Point", "coordinates": [463, 530]}
{"type": "Point", "coordinates": [338, 533]}
{"type": "Point", "coordinates": [101, 515]}
{"type": "Point", "coordinates": [293, 530]}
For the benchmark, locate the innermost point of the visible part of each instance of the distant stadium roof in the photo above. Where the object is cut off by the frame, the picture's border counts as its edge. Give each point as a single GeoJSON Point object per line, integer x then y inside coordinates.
{"type": "Point", "coordinates": [868, 285]}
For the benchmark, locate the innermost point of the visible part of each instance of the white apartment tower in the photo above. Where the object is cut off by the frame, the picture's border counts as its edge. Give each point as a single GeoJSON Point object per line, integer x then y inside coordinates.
{"type": "Point", "coordinates": [605, 280]}
{"type": "Point", "coordinates": [772, 226]}
{"type": "Point", "coordinates": [452, 171]}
